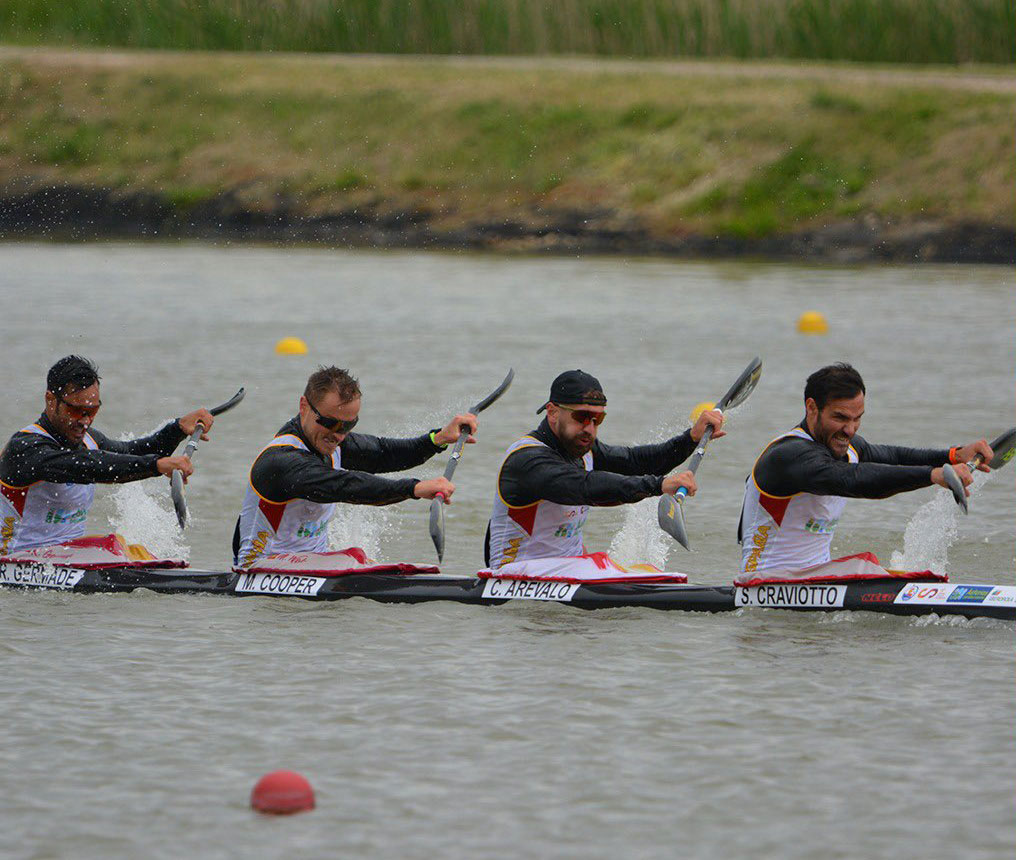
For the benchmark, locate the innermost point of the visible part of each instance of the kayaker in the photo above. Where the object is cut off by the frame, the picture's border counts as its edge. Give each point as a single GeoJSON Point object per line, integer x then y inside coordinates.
{"type": "Point", "coordinates": [800, 484]}
{"type": "Point", "coordinates": [315, 461]}
{"type": "Point", "coordinates": [553, 475]}
{"type": "Point", "coordinates": [48, 470]}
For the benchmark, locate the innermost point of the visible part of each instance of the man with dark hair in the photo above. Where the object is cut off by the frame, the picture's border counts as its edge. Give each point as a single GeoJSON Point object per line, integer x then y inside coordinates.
{"type": "Point", "coordinates": [551, 477]}
{"type": "Point", "coordinates": [48, 469]}
{"type": "Point", "coordinates": [315, 461]}
{"type": "Point", "coordinates": [799, 485]}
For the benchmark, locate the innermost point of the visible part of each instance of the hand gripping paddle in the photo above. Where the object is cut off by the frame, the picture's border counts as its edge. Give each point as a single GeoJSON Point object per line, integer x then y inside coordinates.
{"type": "Point", "coordinates": [437, 529]}
{"type": "Point", "coordinates": [669, 513]}
{"type": "Point", "coordinates": [176, 481]}
{"type": "Point", "coordinates": [1004, 447]}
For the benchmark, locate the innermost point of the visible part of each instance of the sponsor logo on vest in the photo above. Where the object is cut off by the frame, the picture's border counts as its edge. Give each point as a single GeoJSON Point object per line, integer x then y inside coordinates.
{"type": "Point", "coordinates": [760, 540]}
{"type": "Point", "coordinates": [58, 516]}
{"type": "Point", "coordinates": [36, 575]}
{"type": "Point", "coordinates": [529, 589]}
{"type": "Point", "coordinates": [311, 530]}
{"type": "Point", "coordinates": [821, 527]}
{"type": "Point", "coordinates": [567, 530]}
{"type": "Point", "coordinates": [790, 595]}
{"type": "Point", "coordinates": [279, 583]}
{"type": "Point", "coordinates": [257, 549]}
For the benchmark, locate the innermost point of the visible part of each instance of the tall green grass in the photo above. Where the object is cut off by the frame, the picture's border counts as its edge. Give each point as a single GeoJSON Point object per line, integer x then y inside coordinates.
{"type": "Point", "coordinates": [905, 31]}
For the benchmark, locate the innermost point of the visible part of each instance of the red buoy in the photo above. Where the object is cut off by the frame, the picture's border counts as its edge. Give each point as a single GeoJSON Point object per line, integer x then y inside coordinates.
{"type": "Point", "coordinates": [282, 792]}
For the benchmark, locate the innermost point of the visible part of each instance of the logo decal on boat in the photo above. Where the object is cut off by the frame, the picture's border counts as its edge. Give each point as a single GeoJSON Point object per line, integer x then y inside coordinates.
{"type": "Point", "coordinates": [38, 575]}
{"type": "Point", "coordinates": [969, 593]}
{"type": "Point", "coordinates": [792, 596]}
{"type": "Point", "coordinates": [279, 583]}
{"type": "Point", "coordinates": [529, 589]}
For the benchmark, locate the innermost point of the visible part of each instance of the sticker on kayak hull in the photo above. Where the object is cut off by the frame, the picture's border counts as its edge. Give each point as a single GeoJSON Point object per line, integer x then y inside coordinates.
{"type": "Point", "coordinates": [529, 589]}
{"type": "Point", "coordinates": [280, 583]}
{"type": "Point", "coordinates": [37, 575]}
{"type": "Point", "coordinates": [792, 596]}
{"type": "Point", "coordinates": [988, 595]}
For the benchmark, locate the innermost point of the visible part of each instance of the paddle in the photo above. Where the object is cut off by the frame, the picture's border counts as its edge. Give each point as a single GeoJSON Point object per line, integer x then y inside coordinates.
{"type": "Point", "coordinates": [176, 481]}
{"type": "Point", "coordinates": [669, 513]}
{"type": "Point", "coordinates": [437, 529]}
{"type": "Point", "coordinates": [1003, 448]}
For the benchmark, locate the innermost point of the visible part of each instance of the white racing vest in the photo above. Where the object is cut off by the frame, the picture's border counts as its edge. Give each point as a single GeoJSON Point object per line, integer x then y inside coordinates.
{"type": "Point", "coordinates": [540, 530]}
{"type": "Point", "coordinates": [43, 513]}
{"type": "Point", "coordinates": [788, 532]}
{"type": "Point", "coordinates": [267, 528]}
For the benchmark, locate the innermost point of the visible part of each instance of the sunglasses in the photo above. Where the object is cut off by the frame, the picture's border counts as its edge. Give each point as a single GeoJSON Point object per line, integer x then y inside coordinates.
{"type": "Point", "coordinates": [78, 412]}
{"type": "Point", "coordinates": [584, 416]}
{"type": "Point", "coordinates": [337, 425]}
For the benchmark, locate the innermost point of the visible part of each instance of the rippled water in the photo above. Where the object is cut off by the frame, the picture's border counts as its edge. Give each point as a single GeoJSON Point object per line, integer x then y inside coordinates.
{"type": "Point", "coordinates": [137, 724]}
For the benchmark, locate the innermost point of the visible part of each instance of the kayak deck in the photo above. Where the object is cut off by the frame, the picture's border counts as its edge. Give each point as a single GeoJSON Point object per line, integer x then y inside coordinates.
{"type": "Point", "coordinates": [895, 596]}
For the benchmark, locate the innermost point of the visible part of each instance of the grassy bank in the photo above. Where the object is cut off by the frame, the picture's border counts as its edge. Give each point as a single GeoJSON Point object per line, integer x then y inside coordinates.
{"type": "Point", "coordinates": [890, 31]}
{"type": "Point", "coordinates": [756, 151]}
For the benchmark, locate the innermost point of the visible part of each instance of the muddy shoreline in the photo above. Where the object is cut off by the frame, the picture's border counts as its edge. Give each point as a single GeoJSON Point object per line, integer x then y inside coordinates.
{"type": "Point", "coordinates": [80, 213]}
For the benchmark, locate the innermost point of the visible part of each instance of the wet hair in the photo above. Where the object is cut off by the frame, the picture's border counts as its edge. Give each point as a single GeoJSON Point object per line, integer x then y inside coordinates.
{"type": "Point", "coordinates": [834, 382]}
{"type": "Point", "coordinates": [71, 372]}
{"type": "Point", "coordinates": [326, 379]}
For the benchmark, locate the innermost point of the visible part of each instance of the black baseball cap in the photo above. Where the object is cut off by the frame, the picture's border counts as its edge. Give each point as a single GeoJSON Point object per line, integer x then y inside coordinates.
{"type": "Point", "coordinates": [574, 387]}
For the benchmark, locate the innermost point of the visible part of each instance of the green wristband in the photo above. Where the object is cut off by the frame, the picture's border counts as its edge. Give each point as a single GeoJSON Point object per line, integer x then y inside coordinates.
{"type": "Point", "coordinates": [434, 442]}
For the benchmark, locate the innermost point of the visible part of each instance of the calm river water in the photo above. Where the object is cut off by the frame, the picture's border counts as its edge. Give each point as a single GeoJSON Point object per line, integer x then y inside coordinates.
{"type": "Point", "coordinates": [136, 725]}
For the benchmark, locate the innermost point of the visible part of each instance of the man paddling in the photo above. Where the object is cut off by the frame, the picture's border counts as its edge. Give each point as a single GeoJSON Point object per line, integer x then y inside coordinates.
{"type": "Point", "coordinates": [48, 470]}
{"type": "Point", "coordinates": [552, 476]}
{"type": "Point", "coordinates": [314, 461]}
{"type": "Point", "coordinates": [800, 483]}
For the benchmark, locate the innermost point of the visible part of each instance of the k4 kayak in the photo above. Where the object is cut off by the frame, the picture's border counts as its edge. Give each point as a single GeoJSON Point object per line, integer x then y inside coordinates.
{"type": "Point", "coordinates": [894, 596]}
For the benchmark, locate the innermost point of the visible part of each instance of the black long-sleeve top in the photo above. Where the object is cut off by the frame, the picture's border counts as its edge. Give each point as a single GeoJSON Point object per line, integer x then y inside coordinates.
{"type": "Point", "coordinates": [620, 475]}
{"type": "Point", "coordinates": [282, 473]}
{"type": "Point", "coordinates": [30, 457]}
{"type": "Point", "coordinates": [794, 465]}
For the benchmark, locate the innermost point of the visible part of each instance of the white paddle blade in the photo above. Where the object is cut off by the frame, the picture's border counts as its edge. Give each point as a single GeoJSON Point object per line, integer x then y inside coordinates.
{"type": "Point", "coordinates": [176, 491]}
{"type": "Point", "coordinates": [670, 516]}
{"type": "Point", "coordinates": [437, 530]}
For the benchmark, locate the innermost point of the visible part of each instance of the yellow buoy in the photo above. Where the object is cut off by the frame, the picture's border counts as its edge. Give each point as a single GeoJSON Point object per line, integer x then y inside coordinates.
{"type": "Point", "coordinates": [291, 346]}
{"type": "Point", "coordinates": [699, 409]}
{"type": "Point", "coordinates": [812, 322]}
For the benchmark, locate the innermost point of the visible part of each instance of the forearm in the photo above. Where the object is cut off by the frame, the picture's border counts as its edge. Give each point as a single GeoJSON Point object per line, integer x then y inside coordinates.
{"type": "Point", "coordinates": [658, 459]}
{"type": "Point", "coordinates": [378, 454]}
{"type": "Point", "coordinates": [281, 474]}
{"type": "Point", "coordinates": [161, 443]}
{"type": "Point", "coordinates": [537, 478]}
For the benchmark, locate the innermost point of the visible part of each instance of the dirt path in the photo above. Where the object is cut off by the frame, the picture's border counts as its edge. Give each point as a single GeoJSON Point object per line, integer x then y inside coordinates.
{"type": "Point", "coordinates": [985, 79]}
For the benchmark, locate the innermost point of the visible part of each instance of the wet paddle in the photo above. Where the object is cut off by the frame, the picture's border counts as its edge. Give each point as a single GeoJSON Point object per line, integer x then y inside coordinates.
{"type": "Point", "coordinates": [176, 481]}
{"type": "Point", "coordinates": [669, 513]}
{"type": "Point", "coordinates": [1003, 448]}
{"type": "Point", "coordinates": [437, 529]}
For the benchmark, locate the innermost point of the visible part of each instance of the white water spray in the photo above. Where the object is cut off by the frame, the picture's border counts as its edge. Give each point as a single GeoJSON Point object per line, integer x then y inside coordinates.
{"type": "Point", "coordinates": [143, 514]}
{"type": "Point", "coordinates": [931, 531]}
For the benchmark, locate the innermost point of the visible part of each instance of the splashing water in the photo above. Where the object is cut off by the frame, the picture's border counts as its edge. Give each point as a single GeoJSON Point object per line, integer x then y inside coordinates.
{"type": "Point", "coordinates": [930, 533]}
{"type": "Point", "coordinates": [144, 516]}
{"type": "Point", "coordinates": [640, 540]}
{"type": "Point", "coordinates": [359, 525]}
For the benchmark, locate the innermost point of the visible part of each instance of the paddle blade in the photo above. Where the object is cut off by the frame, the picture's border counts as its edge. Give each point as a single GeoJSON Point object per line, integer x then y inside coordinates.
{"type": "Point", "coordinates": [176, 491]}
{"type": "Point", "coordinates": [670, 516]}
{"type": "Point", "coordinates": [1004, 447]}
{"type": "Point", "coordinates": [956, 486]}
{"type": "Point", "coordinates": [743, 386]}
{"type": "Point", "coordinates": [437, 526]}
